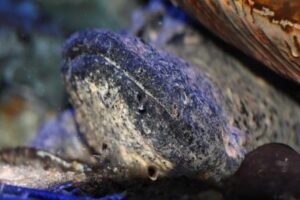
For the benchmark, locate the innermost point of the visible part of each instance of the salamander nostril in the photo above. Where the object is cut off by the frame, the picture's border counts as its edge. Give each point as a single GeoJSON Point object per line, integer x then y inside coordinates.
{"type": "Point", "coordinates": [141, 103]}
{"type": "Point", "coordinates": [104, 146]}
{"type": "Point", "coordinates": [152, 172]}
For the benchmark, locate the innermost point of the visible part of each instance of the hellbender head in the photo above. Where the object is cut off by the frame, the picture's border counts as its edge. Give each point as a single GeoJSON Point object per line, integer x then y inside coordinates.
{"type": "Point", "coordinates": [146, 110]}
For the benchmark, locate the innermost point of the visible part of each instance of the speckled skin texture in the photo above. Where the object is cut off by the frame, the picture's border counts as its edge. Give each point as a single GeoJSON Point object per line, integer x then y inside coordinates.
{"type": "Point", "coordinates": [253, 107]}
{"type": "Point", "coordinates": [146, 109]}
{"type": "Point", "coordinates": [259, 111]}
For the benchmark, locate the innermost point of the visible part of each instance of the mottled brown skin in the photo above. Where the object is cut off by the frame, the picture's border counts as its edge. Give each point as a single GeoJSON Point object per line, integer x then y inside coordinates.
{"type": "Point", "coordinates": [265, 29]}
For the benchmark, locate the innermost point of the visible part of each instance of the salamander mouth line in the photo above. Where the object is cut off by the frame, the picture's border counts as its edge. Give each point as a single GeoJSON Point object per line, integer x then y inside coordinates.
{"type": "Point", "coordinates": [127, 75]}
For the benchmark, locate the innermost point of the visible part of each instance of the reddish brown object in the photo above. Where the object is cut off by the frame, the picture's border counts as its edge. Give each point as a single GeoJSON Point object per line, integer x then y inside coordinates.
{"type": "Point", "coordinates": [271, 171]}
{"type": "Point", "coordinates": [269, 30]}
{"type": "Point", "coordinates": [13, 107]}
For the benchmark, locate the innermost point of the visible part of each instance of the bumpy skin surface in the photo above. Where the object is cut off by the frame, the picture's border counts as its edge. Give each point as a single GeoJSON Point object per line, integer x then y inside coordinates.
{"type": "Point", "coordinates": [266, 29]}
{"type": "Point", "coordinates": [145, 109]}
{"type": "Point", "coordinates": [254, 109]}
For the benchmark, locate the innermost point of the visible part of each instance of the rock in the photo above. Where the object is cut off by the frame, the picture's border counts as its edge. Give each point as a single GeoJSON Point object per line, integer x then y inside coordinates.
{"type": "Point", "coordinates": [271, 171]}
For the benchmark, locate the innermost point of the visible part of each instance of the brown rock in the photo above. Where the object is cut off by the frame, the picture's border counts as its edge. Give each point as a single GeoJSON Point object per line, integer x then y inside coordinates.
{"type": "Point", "coordinates": [271, 171]}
